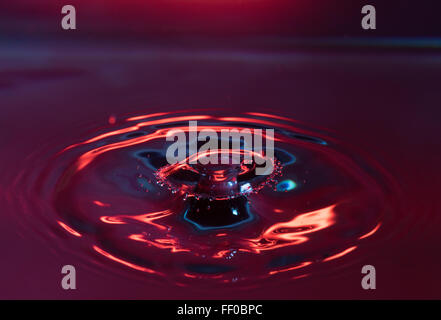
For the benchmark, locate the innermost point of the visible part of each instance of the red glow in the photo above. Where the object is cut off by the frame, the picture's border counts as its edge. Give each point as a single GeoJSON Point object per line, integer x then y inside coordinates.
{"type": "Point", "coordinates": [371, 232]}
{"type": "Point", "coordinates": [137, 127]}
{"type": "Point", "coordinates": [112, 120]}
{"type": "Point", "coordinates": [146, 116]}
{"type": "Point", "coordinates": [266, 115]}
{"type": "Point", "coordinates": [101, 204]}
{"type": "Point", "coordinates": [340, 254]}
{"type": "Point", "coordinates": [144, 218]}
{"type": "Point", "coordinates": [158, 17]}
{"type": "Point", "coordinates": [221, 254]}
{"type": "Point", "coordinates": [299, 227]}
{"type": "Point", "coordinates": [192, 276]}
{"type": "Point", "coordinates": [219, 175]}
{"type": "Point", "coordinates": [267, 123]}
{"type": "Point", "coordinates": [69, 229]}
{"type": "Point", "coordinates": [300, 276]}
{"type": "Point", "coordinates": [89, 156]}
{"type": "Point", "coordinates": [121, 261]}
{"type": "Point", "coordinates": [161, 243]}
{"type": "Point", "coordinates": [301, 265]}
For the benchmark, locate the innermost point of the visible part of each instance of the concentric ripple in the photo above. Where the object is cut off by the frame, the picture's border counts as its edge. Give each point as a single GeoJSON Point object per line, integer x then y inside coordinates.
{"type": "Point", "coordinates": [317, 214]}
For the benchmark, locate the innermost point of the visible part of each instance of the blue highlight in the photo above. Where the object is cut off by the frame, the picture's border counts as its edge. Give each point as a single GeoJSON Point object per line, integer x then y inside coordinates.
{"type": "Point", "coordinates": [286, 185]}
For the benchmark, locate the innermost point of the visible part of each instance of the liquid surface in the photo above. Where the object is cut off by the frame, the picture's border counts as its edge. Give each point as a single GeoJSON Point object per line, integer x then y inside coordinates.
{"type": "Point", "coordinates": [324, 204]}
{"type": "Point", "coordinates": [78, 179]}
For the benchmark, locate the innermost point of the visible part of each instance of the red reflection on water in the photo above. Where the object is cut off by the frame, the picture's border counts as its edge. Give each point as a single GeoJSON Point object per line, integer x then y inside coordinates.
{"type": "Point", "coordinates": [300, 276]}
{"type": "Point", "coordinates": [126, 263]}
{"type": "Point", "coordinates": [86, 158]}
{"type": "Point", "coordinates": [301, 265]}
{"type": "Point", "coordinates": [340, 254]}
{"type": "Point", "coordinates": [147, 218]}
{"type": "Point", "coordinates": [89, 156]}
{"type": "Point", "coordinates": [235, 247]}
{"type": "Point", "coordinates": [270, 124]}
{"type": "Point", "coordinates": [170, 243]}
{"type": "Point", "coordinates": [137, 127]}
{"type": "Point", "coordinates": [69, 229]}
{"type": "Point", "coordinates": [295, 231]}
{"type": "Point", "coordinates": [146, 116]}
{"type": "Point", "coordinates": [371, 232]}
{"type": "Point", "coordinates": [221, 254]}
{"type": "Point", "coordinates": [101, 204]}
{"type": "Point", "coordinates": [266, 115]}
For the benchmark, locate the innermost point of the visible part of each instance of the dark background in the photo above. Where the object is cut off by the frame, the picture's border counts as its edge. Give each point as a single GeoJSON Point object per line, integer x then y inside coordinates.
{"type": "Point", "coordinates": [228, 18]}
